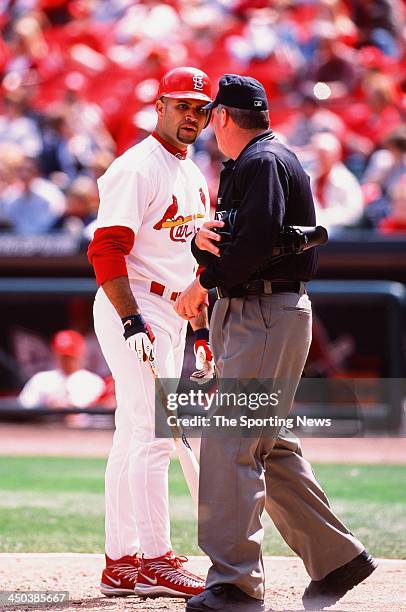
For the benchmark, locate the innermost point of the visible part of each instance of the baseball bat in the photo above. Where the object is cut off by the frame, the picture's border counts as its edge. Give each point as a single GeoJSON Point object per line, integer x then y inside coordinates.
{"type": "Point", "coordinates": [188, 461]}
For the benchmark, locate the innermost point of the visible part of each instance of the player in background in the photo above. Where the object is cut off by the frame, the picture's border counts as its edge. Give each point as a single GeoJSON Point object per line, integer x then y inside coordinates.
{"type": "Point", "coordinates": [153, 200]}
{"type": "Point", "coordinates": [67, 385]}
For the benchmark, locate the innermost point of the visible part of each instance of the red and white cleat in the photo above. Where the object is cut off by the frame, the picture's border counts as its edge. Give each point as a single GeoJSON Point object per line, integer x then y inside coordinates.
{"type": "Point", "coordinates": [119, 577]}
{"type": "Point", "coordinates": [165, 577]}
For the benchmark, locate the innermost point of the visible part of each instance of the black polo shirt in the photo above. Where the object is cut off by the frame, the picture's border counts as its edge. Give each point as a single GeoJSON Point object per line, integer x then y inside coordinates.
{"type": "Point", "coordinates": [269, 188]}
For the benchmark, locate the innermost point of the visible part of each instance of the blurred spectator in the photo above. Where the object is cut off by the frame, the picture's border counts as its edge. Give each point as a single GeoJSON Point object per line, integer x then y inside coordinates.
{"type": "Point", "coordinates": [337, 193]}
{"type": "Point", "coordinates": [18, 128]}
{"type": "Point", "coordinates": [267, 48]}
{"type": "Point", "coordinates": [89, 131]}
{"type": "Point", "coordinates": [337, 12]}
{"type": "Point", "coordinates": [150, 19]}
{"type": "Point", "coordinates": [57, 154]}
{"type": "Point", "coordinates": [68, 385]}
{"type": "Point", "coordinates": [333, 64]}
{"type": "Point", "coordinates": [81, 206]}
{"type": "Point", "coordinates": [386, 169]}
{"type": "Point", "coordinates": [74, 133]}
{"type": "Point", "coordinates": [379, 23]}
{"type": "Point", "coordinates": [32, 204]}
{"type": "Point", "coordinates": [313, 119]}
{"type": "Point", "coordinates": [372, 119]}
{"type": "Point", "coordinates": [28, 46]}
{"type": "Point", "coordinates": [396, 221]}
{"type": "Point", "coordinates": [388, 164]}
{"type": "Point", "coordinates": [11, 157]}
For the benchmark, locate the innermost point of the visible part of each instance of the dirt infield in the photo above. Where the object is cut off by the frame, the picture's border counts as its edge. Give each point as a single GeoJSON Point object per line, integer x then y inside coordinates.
{"type": "Point", "coordinates": [385, 590]}
{"type": "Point", "coordinates": [60, 441]}
{"type": "Point", "coordinates": [79, 574]}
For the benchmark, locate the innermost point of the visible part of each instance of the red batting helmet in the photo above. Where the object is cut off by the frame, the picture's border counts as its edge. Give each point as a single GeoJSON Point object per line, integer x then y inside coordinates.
{"type": "Point", "coordinates": [185, 82]}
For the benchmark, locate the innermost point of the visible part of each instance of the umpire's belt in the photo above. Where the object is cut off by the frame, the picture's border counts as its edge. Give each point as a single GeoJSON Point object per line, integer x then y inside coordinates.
{"type": "Point", "coordinates": [260, 286]}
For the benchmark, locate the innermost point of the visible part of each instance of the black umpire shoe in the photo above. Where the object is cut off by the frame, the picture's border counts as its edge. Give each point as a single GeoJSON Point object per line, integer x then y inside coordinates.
{"type": "Point", "coordinates": [324, 593]}
{"type": "Point", "coordinates": [224, 598]}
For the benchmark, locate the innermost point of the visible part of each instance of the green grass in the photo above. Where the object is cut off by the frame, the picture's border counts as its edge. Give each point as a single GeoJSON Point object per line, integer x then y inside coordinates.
{"type": "Point", "coordinates": [56, 504]}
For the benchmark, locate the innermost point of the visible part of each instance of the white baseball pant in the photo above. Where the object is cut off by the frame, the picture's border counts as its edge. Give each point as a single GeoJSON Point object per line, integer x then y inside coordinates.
{"type": "Point", "coordinates": [136, 484]}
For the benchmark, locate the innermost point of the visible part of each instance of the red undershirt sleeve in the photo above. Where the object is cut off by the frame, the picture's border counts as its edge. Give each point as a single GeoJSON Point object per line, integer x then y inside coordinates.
{"type": "Point", "coordinates": [107, 252]}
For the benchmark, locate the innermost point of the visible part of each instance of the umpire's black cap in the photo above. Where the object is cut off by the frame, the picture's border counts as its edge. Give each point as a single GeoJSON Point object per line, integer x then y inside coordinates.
{"type": "Point", "coordinates": [242, 92]}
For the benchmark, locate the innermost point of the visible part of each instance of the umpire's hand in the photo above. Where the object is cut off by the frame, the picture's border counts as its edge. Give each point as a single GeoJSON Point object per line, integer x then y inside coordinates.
{"type": "Point", "coordinates": [206, 239]}
{"type": "Point", "coordinates": [140, 338]}
{"type": "Point", "coordinates": [191, 300]}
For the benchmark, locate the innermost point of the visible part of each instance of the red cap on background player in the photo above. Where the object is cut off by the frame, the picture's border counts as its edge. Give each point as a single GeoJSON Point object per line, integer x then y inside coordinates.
{"type": "Point", "coordinates": [185, 82]}
{"type": "Point", "coordinates": [68, 342]}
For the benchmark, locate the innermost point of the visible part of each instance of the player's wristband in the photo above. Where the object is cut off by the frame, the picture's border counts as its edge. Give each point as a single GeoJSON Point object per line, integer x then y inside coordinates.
{"type": "Point", "coordinates": [202, 334]}
{"type": "Point", "coordinates": [134, 324]}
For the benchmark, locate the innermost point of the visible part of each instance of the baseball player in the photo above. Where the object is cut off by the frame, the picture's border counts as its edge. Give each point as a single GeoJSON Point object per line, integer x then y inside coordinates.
{"type": "Point", "coordinates": [153, 200]}
{"type": "Point", "coordinates": [69, 384]}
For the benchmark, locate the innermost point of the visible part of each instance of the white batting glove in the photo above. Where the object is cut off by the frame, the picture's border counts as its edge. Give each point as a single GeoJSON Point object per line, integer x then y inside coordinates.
{"type": "Point", "coordinates": [140, 338]}
{"type": "Point", "coordinates": [204, 357]}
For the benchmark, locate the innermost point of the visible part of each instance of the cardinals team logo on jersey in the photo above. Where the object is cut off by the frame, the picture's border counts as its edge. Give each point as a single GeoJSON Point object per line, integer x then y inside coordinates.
{"type": "Point", "coordinates": [178, 225]}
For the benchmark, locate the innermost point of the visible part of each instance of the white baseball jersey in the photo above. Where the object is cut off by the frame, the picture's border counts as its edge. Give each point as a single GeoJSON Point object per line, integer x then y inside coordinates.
{"type": "Point", "coordinates": [54, 388]}
{"type": "Point", "coordinates": [164, 200]}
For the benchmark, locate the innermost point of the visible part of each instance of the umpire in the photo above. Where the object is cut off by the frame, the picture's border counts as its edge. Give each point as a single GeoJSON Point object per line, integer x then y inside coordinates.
{"type": "Point", "coordinates": [261, 329]}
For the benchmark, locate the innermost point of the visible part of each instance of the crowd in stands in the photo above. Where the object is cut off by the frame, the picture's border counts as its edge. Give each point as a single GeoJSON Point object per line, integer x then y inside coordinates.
{"type": "Point", "coordinates": [79, 80]}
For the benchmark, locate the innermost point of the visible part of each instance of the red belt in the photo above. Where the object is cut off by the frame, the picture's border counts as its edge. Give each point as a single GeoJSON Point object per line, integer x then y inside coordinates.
{"type": "Point", "coordinates": [163, 291]}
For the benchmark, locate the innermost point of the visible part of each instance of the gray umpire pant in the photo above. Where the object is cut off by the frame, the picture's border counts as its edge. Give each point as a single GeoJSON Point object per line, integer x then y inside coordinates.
{"type": "Point", "coordinates": [266, 336]}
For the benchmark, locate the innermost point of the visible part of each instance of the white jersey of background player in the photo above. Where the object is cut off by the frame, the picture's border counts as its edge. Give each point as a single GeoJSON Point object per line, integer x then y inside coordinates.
{"type": "Point", "coordinates": [153, 199]}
